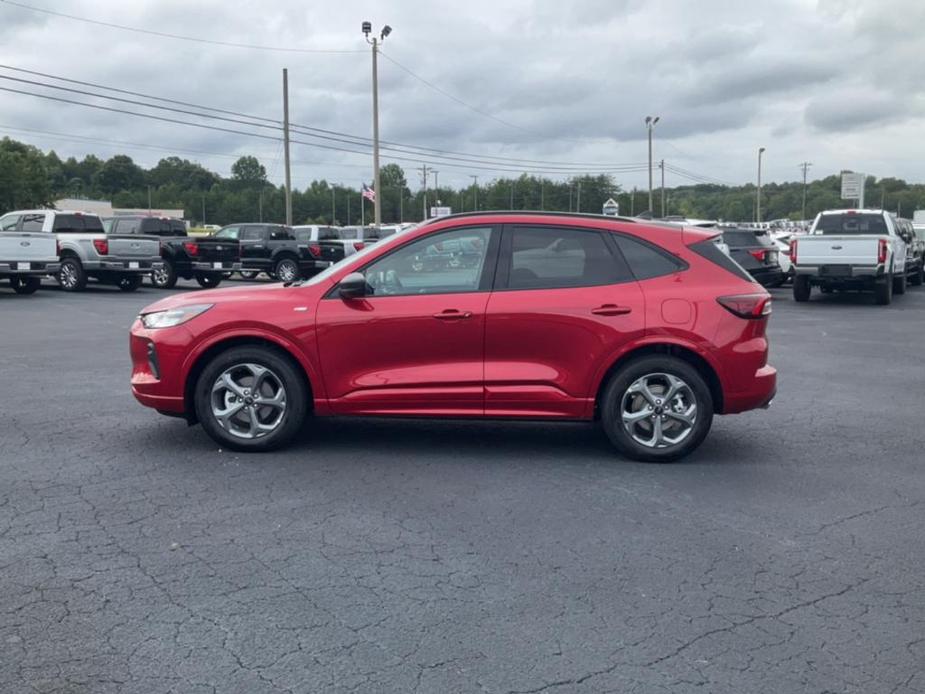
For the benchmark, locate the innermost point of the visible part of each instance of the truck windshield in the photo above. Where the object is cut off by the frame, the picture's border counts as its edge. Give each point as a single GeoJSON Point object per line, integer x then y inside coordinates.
{"type": "Point", "coordinates": [851, 224]}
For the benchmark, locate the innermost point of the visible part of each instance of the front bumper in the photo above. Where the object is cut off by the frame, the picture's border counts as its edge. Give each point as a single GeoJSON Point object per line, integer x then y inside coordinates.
{"type": "Point", "coordinates": [141, 265]}
{"type": "Point", "coordinates": [29, 268]}
{"type": "Point", "coordinates": [156, 359]}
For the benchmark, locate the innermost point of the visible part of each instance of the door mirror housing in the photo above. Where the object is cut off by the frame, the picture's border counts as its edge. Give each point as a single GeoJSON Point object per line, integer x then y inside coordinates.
{"type": "Point", "coordinates": [352, 286]}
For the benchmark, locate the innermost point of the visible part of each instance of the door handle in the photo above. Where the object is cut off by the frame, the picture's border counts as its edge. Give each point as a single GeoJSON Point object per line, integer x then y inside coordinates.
{"type": "Point", "coordinates": [453, 314]}
{"type": "Point", "coordinates": [611, 310]}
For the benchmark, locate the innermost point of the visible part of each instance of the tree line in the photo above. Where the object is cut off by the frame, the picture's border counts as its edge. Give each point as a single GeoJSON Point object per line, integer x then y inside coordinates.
{"type": "Point", "coordinates": [30, 177]}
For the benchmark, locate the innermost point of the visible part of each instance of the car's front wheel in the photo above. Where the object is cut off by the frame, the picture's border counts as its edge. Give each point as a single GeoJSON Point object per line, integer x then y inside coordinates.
{"type": "Point", "coordinates": [802, 289]}
{"type": "Point", "coordinates": [26, 285]}
{"type": "Point", "coordinates": [286, 270]}
{"type": "Point", "coordinates": [165, 277]}
{"type": "Point", "coordinates": [657, 409]}
{"type": "Point", "coordinates": [251, 399]}
{"type": "Point", "coordinates": [209, 280]}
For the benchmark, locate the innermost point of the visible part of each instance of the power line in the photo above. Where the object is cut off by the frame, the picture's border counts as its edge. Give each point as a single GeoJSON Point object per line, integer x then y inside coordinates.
{"type": "Point", "coordinates": [163, 34]}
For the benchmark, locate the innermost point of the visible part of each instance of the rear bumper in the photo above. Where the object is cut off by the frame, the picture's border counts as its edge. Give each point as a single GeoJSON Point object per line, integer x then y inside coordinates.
{"type": "Point", "coordinates": [839, 272]}
{"type": "Point", "coordinates": [216, 266]}
{"type": "Point", "coordinates": [759, 394]}
{"type": "Point", "coordinates": [142, 265]}
{"type": "Point", "coordinates": [769, 276]}
{"type": "Point", "coordinates": [29, 268]}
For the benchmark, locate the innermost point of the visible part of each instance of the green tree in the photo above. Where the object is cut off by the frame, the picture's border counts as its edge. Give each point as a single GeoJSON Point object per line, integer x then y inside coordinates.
{"type": "Point", "coordinates": [249, 170]}
{"type": "Point", "coordinates": [23, 176]}
{"type": "Point", "coordinates": [119, 173]}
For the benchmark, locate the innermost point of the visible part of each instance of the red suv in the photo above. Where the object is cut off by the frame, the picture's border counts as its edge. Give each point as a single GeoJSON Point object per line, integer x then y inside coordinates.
{"type": "Point", "coordinates": [648, 328]}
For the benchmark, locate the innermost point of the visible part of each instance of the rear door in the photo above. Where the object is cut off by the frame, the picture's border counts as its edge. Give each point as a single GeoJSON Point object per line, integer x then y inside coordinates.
{"type": "Point", "coordinates": [255, 253]}
{"type": "Point", "coordinates": [564, 302]}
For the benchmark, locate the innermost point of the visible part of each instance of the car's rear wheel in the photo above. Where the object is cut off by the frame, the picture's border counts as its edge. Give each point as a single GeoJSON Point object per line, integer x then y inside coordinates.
{"type": "Point", "coordinates": [899, 283]}
{"type": "Point", "coordinates": [164, 277]}
{"type": "Point", "coordinates": [918, 277]}
{"type": "Point", "coordinates": [26, 285]}
{"type": "Point", "coordinates": [129, 283]}
{"type": "Point", "coordinates": [248, 274]}
{"type": "Point", "coordinates": [251, 399]}
{"type": "Point", "coordinates": [286, 270]}
{"type": "Point", "coordinates": [883, 290]}
{"type": "Point", "coordinates": [657, 409]}
{"type": "Point", "coordinates": [71, 275]}
{"type": "Point", "coordinates": [209, 280]}
{"type": "Point", "coordinates": [802, 289]}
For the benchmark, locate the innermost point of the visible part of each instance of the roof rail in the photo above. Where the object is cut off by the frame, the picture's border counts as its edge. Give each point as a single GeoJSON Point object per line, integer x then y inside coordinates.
{"type": "Point", "coordinates": [537, 213]}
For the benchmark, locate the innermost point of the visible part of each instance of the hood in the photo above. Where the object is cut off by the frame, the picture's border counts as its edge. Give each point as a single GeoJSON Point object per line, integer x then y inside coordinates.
{"type": "Point", "coordinates": [229, 295]}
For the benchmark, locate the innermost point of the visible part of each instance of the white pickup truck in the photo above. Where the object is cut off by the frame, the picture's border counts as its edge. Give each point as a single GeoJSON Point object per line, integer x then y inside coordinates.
{"type": "Point", "coordinates": [850, 249]}
{"type": "Point", "coordinates": [25, 257]}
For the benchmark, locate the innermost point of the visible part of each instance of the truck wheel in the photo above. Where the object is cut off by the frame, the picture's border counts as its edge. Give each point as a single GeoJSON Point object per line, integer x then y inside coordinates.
{"type": "Point", "coordinates": [918, 277]}
{"type": "Point", "coordinates": [72, 276]}
{"type": "Point", "coordinates": [25, 285]}
{"type": "Point", "coordinates": [657, 409]}
{"type": "Point", "coordinates": [802, 289]}
{"type": "Point", "coordinates": [883, 290]}
{"type": "Point", "coordinates": [166, 277]}
{"type": "Point", "coordinates": [899, 283]}
{"type": "Point", "coordinates": [129, 283]}
{"type": "Point", "coordinates": [251, 399]}
{"type": "Point", "coordinates": [209, 280]}
{"type": "Point", "coordinates": [286, 270]}
{"type": "Point", "coordinates": [248, 274]}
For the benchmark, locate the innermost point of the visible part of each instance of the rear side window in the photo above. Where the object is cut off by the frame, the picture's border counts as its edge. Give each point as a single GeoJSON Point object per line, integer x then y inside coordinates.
{"type": "Point", "coordinates": [349, 233]}
{"type": "Point", "coordinates": [251, 233]}
{"type": "Point", "coordinates": [561, 257]}
{"type": "Point", "coordinates": [77, 224]}
{"type": "Point", "coordinates": [327, 234]}
{"type": "Point", "coordinates": [851, 224]}
{"type": "Point", "coordinates": [709, 250]}
{"type": "Point", "coordinates": [645, 260]}
{"type": "Point", "coordinates": [176, 228]}
{"type": "Point", "coordinates": [33, 222]}
{"type": "Point", "coordinates": [280, 234]}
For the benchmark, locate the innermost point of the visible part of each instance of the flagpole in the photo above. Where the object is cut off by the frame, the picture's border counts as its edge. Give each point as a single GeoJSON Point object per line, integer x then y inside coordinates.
{"type": "Point", "coordinates": [362, 210]}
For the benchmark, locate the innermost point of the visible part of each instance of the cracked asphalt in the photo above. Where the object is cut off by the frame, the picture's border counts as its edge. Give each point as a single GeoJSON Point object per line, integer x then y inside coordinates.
{"type": "Point", "coordinates": [786, 555]}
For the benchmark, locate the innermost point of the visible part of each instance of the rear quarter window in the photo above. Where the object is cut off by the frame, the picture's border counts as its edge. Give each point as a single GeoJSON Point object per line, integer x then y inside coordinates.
{"type": "Point", "coordinates": [710, 251]}
{"type": "Point", "coordinates": [646, 260]}
{"type": "Point", "coordinates": [77, 224]}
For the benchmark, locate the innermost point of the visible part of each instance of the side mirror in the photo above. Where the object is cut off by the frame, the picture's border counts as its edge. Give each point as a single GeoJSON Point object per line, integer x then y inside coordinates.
{"type": "Point", "coordinates": [352, 286]}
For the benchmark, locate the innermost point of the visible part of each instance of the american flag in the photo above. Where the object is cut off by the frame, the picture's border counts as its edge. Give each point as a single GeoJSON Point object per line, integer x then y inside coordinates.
{"type": "Point", "coordinates": [369, 193]}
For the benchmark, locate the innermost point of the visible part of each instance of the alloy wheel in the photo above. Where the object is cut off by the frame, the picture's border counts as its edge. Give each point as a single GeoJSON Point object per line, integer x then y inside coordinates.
{"type": "Point", "coordinates": [160, 276]}
{"type": "Point", "coordinates": [248, 401]}
{"type": "Point", "coordinates": [286, 271]}
{"type": "Point", "coordinates": [659, 410]}
{"type": "Point", "coordinates": [68, 276]}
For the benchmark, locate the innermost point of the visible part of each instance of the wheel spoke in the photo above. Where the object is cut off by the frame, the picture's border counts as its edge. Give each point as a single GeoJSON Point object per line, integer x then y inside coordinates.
{"type": "Point", "coordinates": [685, 417]}
{"type": "Point", "coordinates": [642, 387]}
{"type": "Point", "coordinates": [277, 401]}
{"type": "Point", "coordinates": [674, 385]}
{"type": "Point", "coordinates": [226, 382]}
{"type": "Point", "coordinates": [224, 416]}
{"type": "Point", "coordinates": [630, 418]}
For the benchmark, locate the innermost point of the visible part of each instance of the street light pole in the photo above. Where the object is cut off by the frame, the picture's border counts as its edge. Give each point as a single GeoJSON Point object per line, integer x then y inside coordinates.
{"type": "Point", "coordinates": [661, 165]}
{"type": "Point", "coordinates": [375, 43]}
{"type": "Point", "coordinates": [286, 146]}
{"type": "Point", "coordinates": [758, 191]}
{"type": "Point", "coordinates": [805, 166]}
{"type": "Point", "coordinates": [476, 184]}
{"type": "Point", "coordinates": [650, 126]}
{"type": "Point", "coordinates": [333, 207]}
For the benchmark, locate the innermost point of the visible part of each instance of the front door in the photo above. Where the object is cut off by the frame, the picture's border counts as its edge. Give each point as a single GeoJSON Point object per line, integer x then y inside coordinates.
{"type": "Point", "coordinates": [414, 344]}
{"type": "Point", "coordinates": [564, 302]}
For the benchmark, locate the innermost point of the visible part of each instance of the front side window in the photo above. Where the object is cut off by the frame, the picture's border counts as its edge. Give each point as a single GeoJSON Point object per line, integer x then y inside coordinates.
{"type": "Point", "coordinates": [444, 263]}
{"type": "Point", "coordinates": [33, 222]}
{"type": "Point", "coordinates": [560, 257]}
{"type": "Point", "coordinates": [8, 222]}
{"type": "Point", "coordinates": [228, 233]}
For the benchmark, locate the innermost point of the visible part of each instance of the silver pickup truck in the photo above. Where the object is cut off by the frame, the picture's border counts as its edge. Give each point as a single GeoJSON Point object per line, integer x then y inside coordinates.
{"type": "Point", "coordinates": [25, 257]}
{"type": "Point", "coordinates": [84, 249]}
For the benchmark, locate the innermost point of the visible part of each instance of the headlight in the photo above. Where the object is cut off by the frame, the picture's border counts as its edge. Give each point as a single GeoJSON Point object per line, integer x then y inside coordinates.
{"type": "Point", "coordinates": [173, 316]}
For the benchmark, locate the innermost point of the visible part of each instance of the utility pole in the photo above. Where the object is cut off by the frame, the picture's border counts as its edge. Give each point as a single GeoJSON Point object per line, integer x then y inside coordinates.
{"type": "Point", "coordinates": [650, 126]}
{"type": "Point", "coordinates": [149, 199]}
{"type": "Point", "coordinates": [286, 146]}
{"type": "Point", "coordinates": [260, 205]}
{"type": "Point", "coordinates": [758, 191]}
{"type": "Point", "coordinates": [578, 202]}
{"type": "Point", "coordinates": [476, 179]}
{"type": "Point", "coordinates": [401, 204]}
{"type": "Point", "coordinates": [570, 189]}
{"type": "Point", "coordinates": [512, 194]}
{"type": "Point", "coordinates": [633, 202]}
{"type": "Point", "coordinates": [805, 166]}
{"type": "Point", "coordinates": [661, 165]}
{"type": "Point", "coordinates": [436, 185]}
{"type": "Point", "coordinates": [203, 209]}
{"type": "Point", "coordinates": [362, 211]}
{"type": "Point", "coordinates": [425, 172]}
{"type": "Point", "coordinates": [333, 207]}
{"type": "Point", "coordinates": [374, 43]}
{"type": "Point", "coordinates": [542, 194]}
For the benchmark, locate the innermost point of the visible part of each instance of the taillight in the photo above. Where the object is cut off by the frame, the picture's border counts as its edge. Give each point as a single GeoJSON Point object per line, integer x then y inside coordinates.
{"type": "Point", "coordinates": [751, 306]}
{"type": "Point", "coordinates": [57, 247]}
{"type": "Point", "coordinates": [793, 251]}
{"type": "Point", "coordinates": [881, 251]}
{"type": "Point", "coordinates": [314, 249]}
{"type": "Point", "coordinates": [191, 248]}
{"type": "Point", "coordinates": [359, 245]}
{"type": "Point", "coordinates": [101, 246]}
{"type": "Point", "coordinates": [759, 255]}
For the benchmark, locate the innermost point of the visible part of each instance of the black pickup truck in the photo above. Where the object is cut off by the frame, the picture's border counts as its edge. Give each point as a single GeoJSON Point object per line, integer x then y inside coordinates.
{"type": "Point", "coordinates": [203, 258]}
{"type": "Point", "coordinates": [275, 250]}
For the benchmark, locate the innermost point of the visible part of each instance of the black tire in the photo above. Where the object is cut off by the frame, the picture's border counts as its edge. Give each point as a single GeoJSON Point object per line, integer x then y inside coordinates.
{"type": "Point", "coordinates": [249, 274]}
{"type": "Point", "coordinates": [899, 283]}
{"type": "Point", "coordinates": [617, 390]}
{"type": "Point", "coordinates": [71, 276]}
{"type": "Point", "coordinates": [166, 277]}
{"type": "Point", "coordinates": [289, 377]}
{"type": "Point", "coordinates": [802, 289]}
{"type": "Point", "coordinates": [286, 270]}
{"type": "Point", "coordinates": [826, 289]}
{"type": "Point", "coordinates": [918, 277]}
{"type": "Point", "coordinates": [883, 291]}
{"type": "Point", "coordinates": [26, 285]}
{"type": "Point", "coordinates": [129, 282]}
{"type": "Point", "coordinates": [209, 280]}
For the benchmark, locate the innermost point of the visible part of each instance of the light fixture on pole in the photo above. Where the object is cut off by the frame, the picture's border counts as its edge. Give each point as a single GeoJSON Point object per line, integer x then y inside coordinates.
{"type": "Point", "coordinates": [650, 126]}
{"type": "Point", "coordinates": [375, 43]}
{"type": "Point", "coordinates": [758, 191]}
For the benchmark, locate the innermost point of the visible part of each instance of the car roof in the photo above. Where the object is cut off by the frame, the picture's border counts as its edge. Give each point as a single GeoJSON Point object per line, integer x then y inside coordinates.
{"type": "Point", "coordinates": [854, 211]}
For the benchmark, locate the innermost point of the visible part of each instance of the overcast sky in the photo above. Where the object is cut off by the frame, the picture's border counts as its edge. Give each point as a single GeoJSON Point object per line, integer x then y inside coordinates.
{"type": "Point", "coordinates": [835, 82]}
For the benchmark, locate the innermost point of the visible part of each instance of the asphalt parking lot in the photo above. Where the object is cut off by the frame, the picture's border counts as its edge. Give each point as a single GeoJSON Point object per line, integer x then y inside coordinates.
{"type": "Point", "coordinates": [786, 555]}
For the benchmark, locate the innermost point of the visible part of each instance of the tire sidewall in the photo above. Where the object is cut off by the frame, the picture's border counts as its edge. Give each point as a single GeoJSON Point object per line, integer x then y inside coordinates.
{"type": "Point", "coordinates": [81, 276]}
{"type": "Point", "coordinates": [171, 280]}
{"type": "Point", "coordinates": [296, 398]}
{"type": "Point", "coordinates": [624, 378]}
{"type": "Point", "coordinates": [287, 261]}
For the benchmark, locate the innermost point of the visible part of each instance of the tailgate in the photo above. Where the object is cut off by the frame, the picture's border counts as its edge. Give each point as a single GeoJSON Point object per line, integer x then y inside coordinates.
{"type": "Point", "coordinates": [25, 246]}
{"type": "Point", "coordinates": [838, 250]}
{"type": "Point", "coordinates": [133, 246]}
{"type": "Point", "coordinates": [217, 250]}
{"type": "Point", "coordinates": [332, 251]}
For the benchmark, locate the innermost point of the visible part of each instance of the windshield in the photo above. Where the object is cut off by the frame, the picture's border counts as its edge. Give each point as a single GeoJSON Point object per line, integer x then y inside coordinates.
{"type": "Point", "coordinates": [357, 259]}
{"type": "Point", "coordinates": [851, 223]}
{"type": "Point", "coordinates": [229, 233]}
